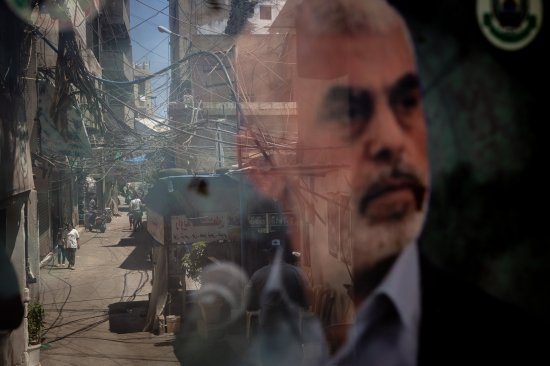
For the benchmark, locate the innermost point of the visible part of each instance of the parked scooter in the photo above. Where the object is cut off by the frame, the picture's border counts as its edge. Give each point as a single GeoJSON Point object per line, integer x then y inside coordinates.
{"type": "Point", "coordinates": [96, 220]}
{"type": "Point", "coordinates": [108, 214]}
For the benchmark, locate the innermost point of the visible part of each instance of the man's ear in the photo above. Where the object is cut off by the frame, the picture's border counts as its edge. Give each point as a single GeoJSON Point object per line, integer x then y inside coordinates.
{"type": "Point", "coordinates": [260, 165]}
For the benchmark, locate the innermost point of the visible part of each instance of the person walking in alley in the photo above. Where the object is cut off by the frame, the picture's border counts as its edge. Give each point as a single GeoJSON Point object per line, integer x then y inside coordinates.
{"type": "Point", "coordinates": [73, 244]}
{"type": "Point", "coordinates": [61, 241]}
{"type": "Point", "coordinates": [135, 214]}
{"type": "Point", "coordinates": [92, 204]}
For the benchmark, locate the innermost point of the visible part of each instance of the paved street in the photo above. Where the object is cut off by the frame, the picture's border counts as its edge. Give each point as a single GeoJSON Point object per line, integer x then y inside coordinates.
{"type": "Point", "coordinates": [113, 276]}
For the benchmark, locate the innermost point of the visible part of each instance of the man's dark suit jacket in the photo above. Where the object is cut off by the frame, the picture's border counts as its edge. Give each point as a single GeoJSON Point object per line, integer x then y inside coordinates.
{"type": "Point", "coordinates": [462, 325]}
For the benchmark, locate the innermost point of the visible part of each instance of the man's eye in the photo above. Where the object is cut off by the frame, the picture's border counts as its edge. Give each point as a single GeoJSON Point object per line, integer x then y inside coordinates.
{"type": "Point", "coordinates": [348, 109]}
{"type": "Point", "coordinates": [346, 119]}
{"type": "Point", "coordinates": [407, 102]}
{"type": "Point", "coordinates": [337, 114]}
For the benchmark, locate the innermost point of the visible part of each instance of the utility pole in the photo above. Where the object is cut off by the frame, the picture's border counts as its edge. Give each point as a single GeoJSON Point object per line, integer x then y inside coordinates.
{"type": "Point", "coordinates": [218, 147]}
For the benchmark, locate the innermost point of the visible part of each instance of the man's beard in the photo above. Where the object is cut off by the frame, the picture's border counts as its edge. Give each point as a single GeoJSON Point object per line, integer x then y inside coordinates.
{"type": "Point", "coordinates": [376, 248]}
{"type": "Point", "coordinates": [373, 243]}
{"type": "Point", "coordinates": [383, 234]}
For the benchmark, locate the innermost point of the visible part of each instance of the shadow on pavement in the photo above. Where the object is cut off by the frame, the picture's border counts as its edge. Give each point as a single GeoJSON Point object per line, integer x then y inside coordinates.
{"type": "Point", "coordinates": [127, 317]}
{"type": "Point", "coordinates": [164, 343]}
{"type": "Point", "coordinates": [139, 258]}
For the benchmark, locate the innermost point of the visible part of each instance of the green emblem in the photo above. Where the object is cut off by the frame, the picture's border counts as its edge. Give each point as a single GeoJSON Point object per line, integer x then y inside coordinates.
{"type": "Point", "coordinates": [510, 24]}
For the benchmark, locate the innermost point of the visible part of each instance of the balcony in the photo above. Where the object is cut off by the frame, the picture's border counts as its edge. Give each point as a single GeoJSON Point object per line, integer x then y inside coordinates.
{"type": "Point", "coordinates": [116, 66]}
{"type": "Point", "coordinates": [251, 108]}
{"type": "Point", "coordinates": [116, 12]}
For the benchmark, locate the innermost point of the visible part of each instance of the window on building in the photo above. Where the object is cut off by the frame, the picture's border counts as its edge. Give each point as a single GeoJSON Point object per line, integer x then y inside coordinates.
{"type": "Point", "coordinates": [265, 12]}
{"type": "Point", "coordinates": [141, 88]}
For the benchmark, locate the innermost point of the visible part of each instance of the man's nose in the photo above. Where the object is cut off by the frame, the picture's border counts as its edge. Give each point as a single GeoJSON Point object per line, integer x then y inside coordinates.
{"type": "Point", "coordinates": [384, 138]}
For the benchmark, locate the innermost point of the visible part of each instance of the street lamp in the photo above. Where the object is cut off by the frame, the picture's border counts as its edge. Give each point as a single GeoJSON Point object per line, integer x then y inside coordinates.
{"type": "Point", "coordinates": [162, 29]}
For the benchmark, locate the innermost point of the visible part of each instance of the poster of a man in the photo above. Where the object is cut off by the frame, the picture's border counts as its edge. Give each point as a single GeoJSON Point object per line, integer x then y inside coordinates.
{"type": "Point", "coordinates": [364, 131]}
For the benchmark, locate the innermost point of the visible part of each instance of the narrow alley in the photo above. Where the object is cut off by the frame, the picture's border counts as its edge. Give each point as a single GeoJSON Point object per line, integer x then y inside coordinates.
{"type": "Point", "coordinates": [95, 313]}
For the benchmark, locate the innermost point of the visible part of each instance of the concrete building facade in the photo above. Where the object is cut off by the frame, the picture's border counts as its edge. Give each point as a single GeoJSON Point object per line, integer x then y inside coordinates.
{"type": "Point", "coordinates": [40, 171]}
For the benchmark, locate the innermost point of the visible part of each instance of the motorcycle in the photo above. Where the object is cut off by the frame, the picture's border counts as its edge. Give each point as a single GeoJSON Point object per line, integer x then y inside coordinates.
{"type": "Point", "coordinates": [108, 214]}
{"type": "Point", "coordinates": [96, 220]}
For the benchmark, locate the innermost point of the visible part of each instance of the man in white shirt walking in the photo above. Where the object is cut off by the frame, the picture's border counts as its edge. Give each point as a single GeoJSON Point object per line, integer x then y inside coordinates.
{"type": "Point", "coordinates": [135, 214]}
{"type": "Point", "coordinates": [72, 245]}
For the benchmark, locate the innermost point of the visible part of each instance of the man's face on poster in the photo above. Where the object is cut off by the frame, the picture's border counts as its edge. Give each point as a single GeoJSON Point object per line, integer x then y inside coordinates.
{"type": "Point", "coordinates": [364, 110]}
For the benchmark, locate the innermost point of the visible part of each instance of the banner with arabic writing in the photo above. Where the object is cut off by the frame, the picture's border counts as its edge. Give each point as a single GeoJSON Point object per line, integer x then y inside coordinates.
{"type": "Point", "coordinates": [210, 227]}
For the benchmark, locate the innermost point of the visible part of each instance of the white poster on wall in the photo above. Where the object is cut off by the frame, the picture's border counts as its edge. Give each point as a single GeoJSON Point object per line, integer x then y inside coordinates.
{"type": "Point", "coordinates": [210, 227]}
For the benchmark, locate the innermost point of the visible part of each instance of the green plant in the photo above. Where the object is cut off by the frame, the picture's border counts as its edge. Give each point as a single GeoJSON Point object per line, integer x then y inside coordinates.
{"type": "Point", "coordinates": [195, 260]}
{"type": "Point", "coordinates": [35, 321]}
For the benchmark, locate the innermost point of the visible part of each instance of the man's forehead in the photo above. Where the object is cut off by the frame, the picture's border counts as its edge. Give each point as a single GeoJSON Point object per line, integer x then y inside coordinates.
{"type": "Point", "coordinates": [343, 87]}
{"type": "Point", "coordinates": [334, 56]}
